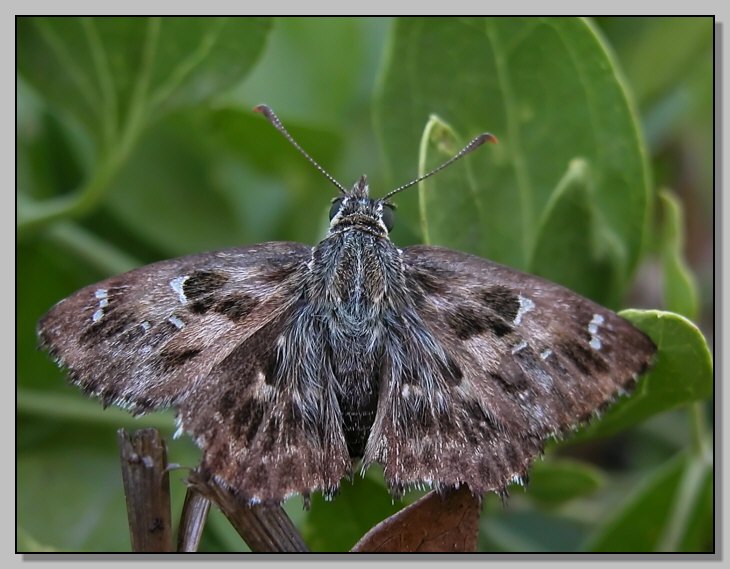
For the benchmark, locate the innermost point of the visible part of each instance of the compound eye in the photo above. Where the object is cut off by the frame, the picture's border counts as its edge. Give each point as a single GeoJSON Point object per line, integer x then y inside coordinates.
{"type": "Point", "coordinates": [336, 205]}
{"type": "Point", "coordinates": [388, 216]}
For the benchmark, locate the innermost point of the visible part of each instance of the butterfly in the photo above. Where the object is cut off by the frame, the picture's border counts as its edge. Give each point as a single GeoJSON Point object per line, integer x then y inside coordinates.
{"type": "Point", "coordinates": [288, 364]}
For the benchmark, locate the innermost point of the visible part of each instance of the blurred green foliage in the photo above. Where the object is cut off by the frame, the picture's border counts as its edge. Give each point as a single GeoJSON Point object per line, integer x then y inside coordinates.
{"type": "Point", "coordinates": [136, 142]}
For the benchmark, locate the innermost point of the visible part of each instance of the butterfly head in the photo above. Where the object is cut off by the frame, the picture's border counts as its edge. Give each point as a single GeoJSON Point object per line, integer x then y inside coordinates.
{"type": "Point", "coordinates": [355, 209]}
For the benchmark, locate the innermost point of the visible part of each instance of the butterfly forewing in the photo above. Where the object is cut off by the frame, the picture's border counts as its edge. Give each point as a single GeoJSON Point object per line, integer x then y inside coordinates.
{"type": "Point", "coordinates": [143, 339]}
{"type": "Point", "coordinates": [518, 359]}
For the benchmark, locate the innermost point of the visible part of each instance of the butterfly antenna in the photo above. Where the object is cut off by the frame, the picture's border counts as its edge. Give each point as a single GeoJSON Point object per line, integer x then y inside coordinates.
{"type": "Point", "coordinates": [476, 142]}
{"type": "Point", "coordinates": [273, 119]}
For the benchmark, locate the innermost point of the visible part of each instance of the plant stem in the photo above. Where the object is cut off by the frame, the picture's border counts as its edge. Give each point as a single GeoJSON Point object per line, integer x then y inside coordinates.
{"type": "Point", "coordinates": [104, 256]}
{"type": "Point", "coordinates": [35, 215]}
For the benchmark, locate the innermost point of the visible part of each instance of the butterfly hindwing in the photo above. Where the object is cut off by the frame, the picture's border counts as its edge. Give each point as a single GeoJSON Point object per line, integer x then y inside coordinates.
{"type": "Point", "coordinates": [269, 431]}
{"type": "Point", "coordinates": [513, 359]}
{"type": "Point", "coordinates": [143, 339]}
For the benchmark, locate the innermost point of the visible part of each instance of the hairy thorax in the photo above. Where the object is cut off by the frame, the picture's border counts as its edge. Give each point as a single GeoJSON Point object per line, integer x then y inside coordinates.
{"type": "Point", "coordinates": [351, 276]}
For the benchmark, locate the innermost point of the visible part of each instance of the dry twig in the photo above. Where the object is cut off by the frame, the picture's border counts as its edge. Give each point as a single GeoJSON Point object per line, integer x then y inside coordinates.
{"type": "Point", "coordinates": [192, 521]}
{"type": "Point", "coordinates": [263, 528]}
{"type": "Point", "coordinates": [147, 489]}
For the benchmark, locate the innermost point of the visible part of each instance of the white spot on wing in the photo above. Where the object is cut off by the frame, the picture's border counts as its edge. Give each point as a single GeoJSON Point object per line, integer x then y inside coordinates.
{"type": "Point", "coordinates": [176, 285]}
{"type": "Point", "coordinates": [175, 321]}
{"type": "Point", "coordinates": [103, 296]}
{"type": "Point", "coordinates": [526, 305]}
{"type": "Point", "coordinates": [546, 354]}
{"type": "Point", "coordinates": [595, 322]}
{"type": "Point", "coordinates": [593, 326]}
{"type": "Point", "coordinates": [146, 326]}
{"type": "Point", "coordinates": [406, 391]}
{"type": "Point", "coordinates": [179, 430]}
{"type": "Point", "coordinates": [521, 346]}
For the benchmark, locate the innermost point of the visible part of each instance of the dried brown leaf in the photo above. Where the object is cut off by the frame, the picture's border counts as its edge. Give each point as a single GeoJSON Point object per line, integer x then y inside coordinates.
{"type": "Point", "coordinates": [433, 523]}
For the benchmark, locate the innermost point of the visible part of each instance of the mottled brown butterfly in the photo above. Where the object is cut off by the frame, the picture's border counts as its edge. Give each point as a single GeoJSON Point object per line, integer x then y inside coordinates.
{"type": "Point", "coordinates": [288, 363]}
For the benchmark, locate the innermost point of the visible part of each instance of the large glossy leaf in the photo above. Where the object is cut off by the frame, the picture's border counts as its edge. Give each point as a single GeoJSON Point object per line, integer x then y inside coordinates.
{"type": "Point", "coordinates": [331, 61]}
{"type": "Point", "coordinates": [572, 223]}
{"type": "Point", "coordinates": [549, 90]}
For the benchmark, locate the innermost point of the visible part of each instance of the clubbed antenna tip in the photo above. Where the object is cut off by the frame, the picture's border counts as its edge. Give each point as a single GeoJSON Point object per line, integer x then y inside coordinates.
{"type": "Point", "coordinates": [485, 137]}
{"type": "Point", "coordinates": [266, 111]}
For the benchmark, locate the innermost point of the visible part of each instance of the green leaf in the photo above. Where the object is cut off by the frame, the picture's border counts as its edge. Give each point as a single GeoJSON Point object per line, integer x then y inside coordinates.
{"type": "Point", "coordinates": [109, 71]}
{"type": "Point", "coordinates": [658, 516]}
{"type": "Point", "coordinates": [680, 288]}
{"type": "Point", "coordinates": [116, 76]}
{"type": "Point", "coordinates": [682, 372]}
{"type": "Point", "coordinates": [338, 525]}
{"type": "Point", "coordinates": [696, 529]}
{"type": "Point", "coordinates": [555, 481]}
{"type": "Point", "coordinates": [309, 53]}
{"type": "Point", "coordinates": [527, 530]}
{"type": "Point", "coordinates": [439, 142]}
{"type": "Point", "coordinates": [549, 90]}
{"type": "Point", "coordinates": [571, 222]}
{"type": "Point", "coordinates": [47, 159]}
{"type": "Point", "coordinates": [218, 179]}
